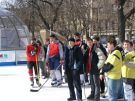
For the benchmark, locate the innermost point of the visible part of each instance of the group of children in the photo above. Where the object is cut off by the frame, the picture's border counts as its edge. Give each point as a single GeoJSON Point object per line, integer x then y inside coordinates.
{"type": "Point", "coordinates": [83, 60]}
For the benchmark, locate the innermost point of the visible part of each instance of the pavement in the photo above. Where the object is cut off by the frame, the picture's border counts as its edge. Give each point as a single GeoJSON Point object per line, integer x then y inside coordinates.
{"type": "Point", "coordinates": [15, 86]}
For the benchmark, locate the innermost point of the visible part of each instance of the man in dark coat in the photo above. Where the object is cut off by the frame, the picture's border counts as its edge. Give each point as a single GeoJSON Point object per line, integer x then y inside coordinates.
{"type": "Point", "coordinates": [73, 63]}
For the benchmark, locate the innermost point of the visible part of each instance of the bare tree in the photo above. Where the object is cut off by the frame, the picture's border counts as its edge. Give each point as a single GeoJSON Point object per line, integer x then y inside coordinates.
{"type": "Point", "coordinates": [68, 16]}
{"type": "Point", "coordinates": [122, 18]}
{"type": "Point", "coordinates": [54, 8]}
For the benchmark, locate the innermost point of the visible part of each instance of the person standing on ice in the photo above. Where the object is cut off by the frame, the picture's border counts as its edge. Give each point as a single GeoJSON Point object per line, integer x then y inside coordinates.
{"type": "Point", "coordinates": [112, 67]}
{"type": "Point", "coordinates": [83, 46]}
{"type": "Point", "coordinates": [41, 59]}
{"type": "Point", "coordinates": [128, 70]}
{"type": "Point", "coordinates": [32, 52]}
{"type": "Point", "coordinates": [95, 61]}
{"type": "Point", "coordinates": [73, 63]}
{"type": "Point", "coordinates": [54, 58]}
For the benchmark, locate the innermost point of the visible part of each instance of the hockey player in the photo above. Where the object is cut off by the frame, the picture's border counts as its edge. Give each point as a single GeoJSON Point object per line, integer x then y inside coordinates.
{"type": "Point", "coordinates": [32, 52]}
{"type": "Point", "coordinates": [54, 58]}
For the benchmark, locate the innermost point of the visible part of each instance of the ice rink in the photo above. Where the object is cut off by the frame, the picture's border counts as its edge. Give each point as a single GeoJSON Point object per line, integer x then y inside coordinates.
{"type": "Point", "coordinates": [15, 86]}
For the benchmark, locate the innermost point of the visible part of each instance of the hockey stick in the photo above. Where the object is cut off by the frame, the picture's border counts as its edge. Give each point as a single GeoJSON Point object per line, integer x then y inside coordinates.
{"type": "Point", "coordinates": [36, 90]}
{"type": "Point", "coordinates": [38, 75]}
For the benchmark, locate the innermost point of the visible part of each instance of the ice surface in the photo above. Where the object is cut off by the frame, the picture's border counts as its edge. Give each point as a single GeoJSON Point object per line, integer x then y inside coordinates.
{"type": "Point", "coordinates": [15, 86]}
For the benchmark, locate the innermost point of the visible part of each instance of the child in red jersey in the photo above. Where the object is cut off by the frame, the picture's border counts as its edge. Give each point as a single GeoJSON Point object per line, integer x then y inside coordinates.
{"type": "Point", "coordinates": [54, 58]}
{"type": "Point", "coordinates": [32, 52]}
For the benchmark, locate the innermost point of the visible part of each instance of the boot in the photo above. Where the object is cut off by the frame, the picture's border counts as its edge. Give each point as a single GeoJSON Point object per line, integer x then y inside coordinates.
{"type": "Point", "coordinates": [38, 83]}
{"type": "Point", "coordinates": [32, 82]}
{"type": "Point", "coordinates": [71, 99]}
{"type": "Point", "coordinates": [54, 82]}
{"type": "Point", "coordinates": [59, 82]}
{"type": "Point", "coordinates": [90, 97]}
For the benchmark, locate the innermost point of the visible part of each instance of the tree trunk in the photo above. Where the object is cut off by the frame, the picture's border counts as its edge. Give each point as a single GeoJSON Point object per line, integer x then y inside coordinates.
{"type": "Point", "coordinates": [121, 24]}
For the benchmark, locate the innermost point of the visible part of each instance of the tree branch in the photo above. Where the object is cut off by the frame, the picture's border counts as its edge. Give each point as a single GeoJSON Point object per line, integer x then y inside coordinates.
{"type": "Point", "coordinates": [121, 2]}
{"type": "Point", "coordinates": [34, 4]}
{"type": "Point", "coordinates": [44, 20]}
{"type": "Point", "coordinates": [56, 13]}
{"type": "Point", "coordinates": [45, 1]}
{"type": "Point", "coordinates": [132, 11]}
{"type": "Point", "coordinates": [40, 14]}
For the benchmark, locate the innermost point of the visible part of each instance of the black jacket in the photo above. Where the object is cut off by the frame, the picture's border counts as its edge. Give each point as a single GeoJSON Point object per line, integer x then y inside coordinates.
{"type": "Point", "coordinates": [72, 55]}
{"type": "Point", "coordinates": [94, 60]}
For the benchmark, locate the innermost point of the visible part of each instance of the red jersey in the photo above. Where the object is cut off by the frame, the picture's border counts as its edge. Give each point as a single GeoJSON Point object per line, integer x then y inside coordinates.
{"type": "Point", "coordinates": [29, 49]}
{"type": "Point", "coordinates": [53, 49]}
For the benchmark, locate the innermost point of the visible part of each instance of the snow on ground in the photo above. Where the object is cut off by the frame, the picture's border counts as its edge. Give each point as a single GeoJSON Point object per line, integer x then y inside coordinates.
{"type": "Point", "coordinates": [15, 86]}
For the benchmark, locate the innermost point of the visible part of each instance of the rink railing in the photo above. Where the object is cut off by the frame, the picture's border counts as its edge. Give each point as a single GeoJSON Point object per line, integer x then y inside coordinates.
{"type": "Point", "coordinates": [12, 57]}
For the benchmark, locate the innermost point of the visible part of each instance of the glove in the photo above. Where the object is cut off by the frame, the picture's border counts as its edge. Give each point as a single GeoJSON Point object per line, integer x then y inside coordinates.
{"type": "Point", "coordinates": [33, 53]}
{"type": "Point", "coordinates": [61, 61]}
{"type": "Point", "coordinates": [47, 64]}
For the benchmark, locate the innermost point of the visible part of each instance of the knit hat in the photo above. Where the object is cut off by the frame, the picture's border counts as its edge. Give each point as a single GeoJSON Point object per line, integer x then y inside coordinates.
{"type": "Point", "coordinates": [53, 36]}
{"type": "Point", "coordinates": [77, 34]}
{"type": "Point", "coordinates": [71, 39]}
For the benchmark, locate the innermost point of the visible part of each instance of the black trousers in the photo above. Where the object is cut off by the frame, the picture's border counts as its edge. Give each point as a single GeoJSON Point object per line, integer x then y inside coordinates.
{"type": "Point", "coordinates": [102, 85]}
{"type": "Point", "coordinates": [73, 79]}
{"type": "Point", "coordinates": [33, 65]}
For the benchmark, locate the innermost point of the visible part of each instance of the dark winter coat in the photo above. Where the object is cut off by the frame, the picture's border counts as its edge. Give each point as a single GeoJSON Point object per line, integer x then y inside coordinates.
{"type": "Point", "coordinates": [97, 59]}
{"type": "Point", "coordinates": [72, 55]}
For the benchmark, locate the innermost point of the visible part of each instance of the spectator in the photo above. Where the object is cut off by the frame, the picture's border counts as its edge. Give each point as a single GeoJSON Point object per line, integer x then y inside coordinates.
{"type": "Point", "coordinates": [96, 40]}
{"type": "Point", "coordinates": [112, 67]}
{"type": "Point", "coordinates": [128, 70]}
{"type": "Point", "coordinates": [95, 62]}
{"type": "Point", "coordinates": [73, 64]}
{"type": "Point", "coordinates": [41, 59]}
{"type": "Point", "coordinates": [83, 46]}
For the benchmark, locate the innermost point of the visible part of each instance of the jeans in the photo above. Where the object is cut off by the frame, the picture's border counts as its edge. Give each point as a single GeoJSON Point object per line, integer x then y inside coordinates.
{"type": "Point", "coordinates": [95, 86]}
{"type": "Point", "coordinates": [114, 89]}
{"type": "Point", "coordinates": [121, 91]}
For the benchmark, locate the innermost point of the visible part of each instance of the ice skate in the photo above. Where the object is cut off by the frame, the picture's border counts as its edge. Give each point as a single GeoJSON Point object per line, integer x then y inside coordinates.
{"type": "Point", "coordinates": [38, 83]}
{"type": "Point", "coordinates": [58, 84]}
{"type": "Point", "coordinates": [54, 82]}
